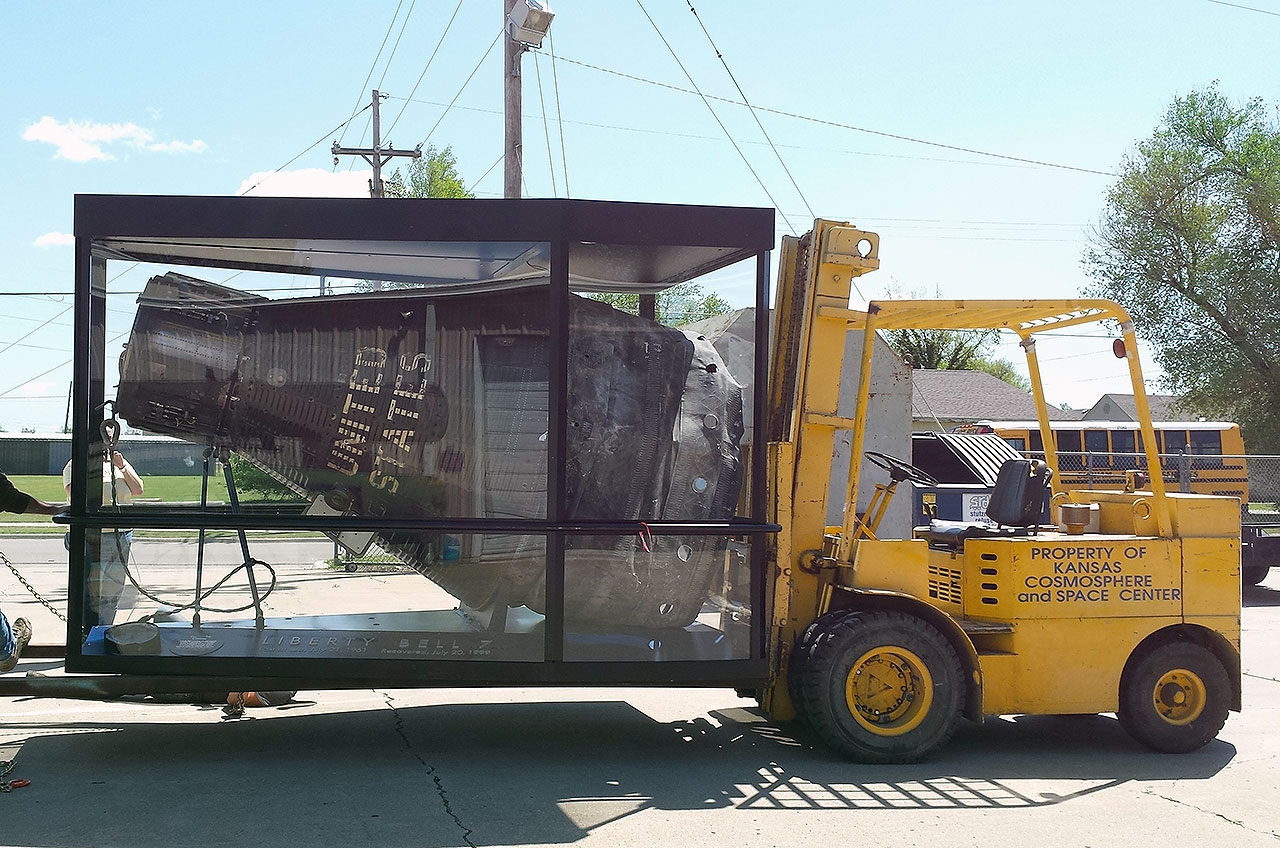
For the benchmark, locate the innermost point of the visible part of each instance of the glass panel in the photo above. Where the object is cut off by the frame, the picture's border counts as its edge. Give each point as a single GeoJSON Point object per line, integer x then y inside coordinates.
{"type": "Point", "coordinates": [659, 409]}
{"type": "Point", "coordinates": [426, 596]}
{"type": "Point", "coordinates": [1206, 442]}
{"type": "Point", "coordinates": [1095, 443]}
{"type": "Point", "coordinates": [1067, 440]}
{"type": "Point", "coordinates": [404, 396]}
{"type": "Point", "coordinates": [663, 598]}
{"type": "Point", "coordinates": [1175, 441]}
{"type": "Point", "coordinates": [1124, 444]}
{"type": "Point", "coordinates": [1070, 454]}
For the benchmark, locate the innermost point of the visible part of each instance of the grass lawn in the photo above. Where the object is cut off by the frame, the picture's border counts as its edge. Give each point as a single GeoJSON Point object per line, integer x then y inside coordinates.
{"type": "Point", "coordinates": [49, 488]}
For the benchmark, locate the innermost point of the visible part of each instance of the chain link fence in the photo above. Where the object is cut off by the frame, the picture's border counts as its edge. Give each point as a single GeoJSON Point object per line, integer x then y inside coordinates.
{"type": "Point", "coordinates": [1254, 478]}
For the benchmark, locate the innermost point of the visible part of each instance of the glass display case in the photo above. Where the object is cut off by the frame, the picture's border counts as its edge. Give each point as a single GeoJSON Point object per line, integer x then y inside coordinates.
{"type": "Point", "coordinates": [441, 440]}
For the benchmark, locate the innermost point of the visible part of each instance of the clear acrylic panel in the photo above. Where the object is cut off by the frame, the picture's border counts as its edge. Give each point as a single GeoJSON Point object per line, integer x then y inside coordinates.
{"type": "Point", "coordinates": [402, 396]}
{"type": "Point", "coordinates": [446, 600]}
{"type": "Point", "coordinates": [657, 598]}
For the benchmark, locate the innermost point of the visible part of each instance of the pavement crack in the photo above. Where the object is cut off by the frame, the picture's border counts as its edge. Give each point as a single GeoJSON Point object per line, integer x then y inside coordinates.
{"type": "Point", "coordinates": [1226, 819]}
{"type": "Point", "coordinates": [1260, 677]}
{"type": "Point", "coordinates": [431, 770]}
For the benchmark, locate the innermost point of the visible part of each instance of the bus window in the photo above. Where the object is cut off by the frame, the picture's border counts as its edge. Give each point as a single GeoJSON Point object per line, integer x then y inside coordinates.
{"type": "Point", "coordinates": [1206, 443]}
{"type": "Point", "coordinates": [1070, 451]}
{"type": "Point", "coordinates": [1098, 449]}
{"type": "Point", "coordinates": [1175, 441]}
{"type": "Point", "coordinates": [1037, 443]}
{"type": "Point", "coordinates": [1123, 442]}
{"type": "Point", "coordinates": [1017, 443]}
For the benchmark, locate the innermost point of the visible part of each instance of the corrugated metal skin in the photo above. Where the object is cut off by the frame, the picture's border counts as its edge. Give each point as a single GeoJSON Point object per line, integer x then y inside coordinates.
{"type": "Point", "coordinates": [983, 453]}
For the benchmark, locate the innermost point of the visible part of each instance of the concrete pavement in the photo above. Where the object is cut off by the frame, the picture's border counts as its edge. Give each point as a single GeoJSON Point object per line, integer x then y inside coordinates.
{"type": "Point", "coordinates": [617, 767]}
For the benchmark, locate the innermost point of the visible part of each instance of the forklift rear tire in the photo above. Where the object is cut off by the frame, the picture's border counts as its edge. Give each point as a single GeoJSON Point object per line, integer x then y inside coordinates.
{"type": "Point", "coordinates": [883, 687]}
{"type": "Point", "coordinates": [1176, 698]}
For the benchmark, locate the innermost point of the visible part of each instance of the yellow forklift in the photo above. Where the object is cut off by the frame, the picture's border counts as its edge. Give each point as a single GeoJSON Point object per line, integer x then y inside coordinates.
{"type": "Point", "coordinates": [575, 493]}
{"type": "Point", "coordinates": [1127, 602]}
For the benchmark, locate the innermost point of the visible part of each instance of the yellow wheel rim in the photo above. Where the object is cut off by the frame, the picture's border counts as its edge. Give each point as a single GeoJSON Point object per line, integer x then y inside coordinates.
{"type": "Point", "coordinates": [1179, 696]}
{"type": "Point", "coordinates": [889, 691]}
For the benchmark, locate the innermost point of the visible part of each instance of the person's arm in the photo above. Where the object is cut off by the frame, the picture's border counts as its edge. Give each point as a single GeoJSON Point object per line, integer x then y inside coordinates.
{"type": "Point", "coordinates": [130, 477]}
{"type": "Point", "coordinates": [39, 507]}
{"type": "Point", "coordinates": [14, 500]}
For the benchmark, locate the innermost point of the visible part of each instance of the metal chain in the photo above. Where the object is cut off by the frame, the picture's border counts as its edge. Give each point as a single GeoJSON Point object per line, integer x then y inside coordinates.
{"type": "Point", "coordinates": [50, 607]}
{"type": "Point", "coordinates": [6, 766]}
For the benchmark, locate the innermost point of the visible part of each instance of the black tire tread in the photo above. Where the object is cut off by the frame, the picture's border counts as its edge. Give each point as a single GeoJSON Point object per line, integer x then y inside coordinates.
{"type": "Point", "coordinates": [818, 630]}
{"type": "Point", "coordinates": [855, 632]}
{"type": "Point", "coordinates": [1139, 718]}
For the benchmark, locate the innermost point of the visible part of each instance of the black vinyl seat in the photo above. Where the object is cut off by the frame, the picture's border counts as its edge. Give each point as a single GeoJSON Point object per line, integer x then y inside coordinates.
{"type": "Point", "coordinates": [1016, 506]}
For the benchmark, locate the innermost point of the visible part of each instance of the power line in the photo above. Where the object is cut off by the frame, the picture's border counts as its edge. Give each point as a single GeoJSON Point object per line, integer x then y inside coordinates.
{"type": "Point", "coordinates": [555, 81]}
{"type": "Point", "coordinates": [707, 103]}
{"type": "Point", "coordinates": [501, 156]}
{"type": "Point", "coordinates": [671, 134]}
{"type": "Point", "coordinates": [40, 327]}
{"type": "Point", "coordinates": [464, 85]}
{"type": "Point", "coordinates": [851, 127]}
{"type": "Point", "coordinates": [743, 95]}
{"type": "Point", "coordinates": [546, 128]}
{"type": "Point", "coordinates": [396, 46]}
{"type": "Point", "coordinates": [305, 152]}
{"type": "Point", "coordinates": [430, 59]}
{"type": "Point", "coordinates": [369, 76]}
{"type": "Point", "coordinates": [1248, 8]}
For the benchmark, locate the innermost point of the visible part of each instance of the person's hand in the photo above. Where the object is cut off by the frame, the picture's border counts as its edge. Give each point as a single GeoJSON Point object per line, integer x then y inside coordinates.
{"type": "Point", "coordinates": [117, 459]}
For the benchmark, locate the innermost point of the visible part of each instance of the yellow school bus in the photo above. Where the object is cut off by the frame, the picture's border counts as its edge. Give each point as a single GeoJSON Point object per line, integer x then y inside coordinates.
{"type": "Point", "coordinates": [1096, 454]}
{"type": "Point", "coordinates": [1201, 457]}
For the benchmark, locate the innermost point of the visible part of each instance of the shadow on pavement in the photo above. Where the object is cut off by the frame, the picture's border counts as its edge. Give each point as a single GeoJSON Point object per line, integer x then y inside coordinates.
{"type": "Point", "coordinates": [1259, 596]}
{"type": "Point", "coordinates": [515, 774]}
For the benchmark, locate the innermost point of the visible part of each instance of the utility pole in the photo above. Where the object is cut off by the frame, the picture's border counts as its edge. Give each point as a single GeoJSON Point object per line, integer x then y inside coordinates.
{"type": "Point", "coordinates": [525, 23]}
{"type": "Point", "coordinates": [377, 156]}
{"type": "Point", "coordinates": [512, 104]}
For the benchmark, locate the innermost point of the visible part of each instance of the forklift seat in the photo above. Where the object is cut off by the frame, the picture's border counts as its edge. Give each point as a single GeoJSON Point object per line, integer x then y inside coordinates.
{"type": "Point", "coordinates": [1016, 506]}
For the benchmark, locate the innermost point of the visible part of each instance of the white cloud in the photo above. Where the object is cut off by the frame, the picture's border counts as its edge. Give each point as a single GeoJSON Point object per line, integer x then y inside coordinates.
{"type": "Point", "coordinates": [196, 146]}
{"type": "Point", "coordinates": [54, 239]}
{"type": "Point", "coordinates": [84, 141]}
{"type": "Point", "coordinates": [307, 182]}
{"type": "Point", "coordinates": [37, 389]}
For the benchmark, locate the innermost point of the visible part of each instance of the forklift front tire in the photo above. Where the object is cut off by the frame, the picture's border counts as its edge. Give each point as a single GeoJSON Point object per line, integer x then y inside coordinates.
{"type": "Point", "coordinates": [1176, 698]}
{"type": "Point", "coordinates": [883, 687]}
{"type": "Point", "coordinates": [818, 630]}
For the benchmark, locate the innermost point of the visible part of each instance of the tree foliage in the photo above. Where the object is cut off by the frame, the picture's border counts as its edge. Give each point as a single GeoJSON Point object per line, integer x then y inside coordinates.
{"type": "Point", "coordinates": [952, 350]}
{"type": "Point", "coordinates": [1189, 243]}
{"type": "Point", "coordinates": [434, 174]}
{"type": "Point", "coordinates": [683, 303]}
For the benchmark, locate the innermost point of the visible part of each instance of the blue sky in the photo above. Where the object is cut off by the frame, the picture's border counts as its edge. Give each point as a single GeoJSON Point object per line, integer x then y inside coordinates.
{"type": "Point", "coordinates": [168, 98]}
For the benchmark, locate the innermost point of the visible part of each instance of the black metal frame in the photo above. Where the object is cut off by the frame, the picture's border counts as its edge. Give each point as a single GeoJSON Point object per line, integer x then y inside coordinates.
{"type": "Point", "coordinates": [747, 232]}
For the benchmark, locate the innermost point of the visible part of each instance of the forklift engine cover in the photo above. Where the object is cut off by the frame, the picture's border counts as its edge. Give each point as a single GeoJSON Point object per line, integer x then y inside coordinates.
{"type": "Point", "coordinates": [418, 405]}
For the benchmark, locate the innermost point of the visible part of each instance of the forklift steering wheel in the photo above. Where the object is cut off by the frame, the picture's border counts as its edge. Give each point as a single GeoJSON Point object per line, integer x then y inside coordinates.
{"type": "Point", "coordinates": [900, 470]}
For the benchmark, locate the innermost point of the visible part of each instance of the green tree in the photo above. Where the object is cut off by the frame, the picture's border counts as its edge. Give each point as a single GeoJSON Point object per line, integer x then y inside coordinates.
{"type": "Point", "coordinates": [434, 174]}
{"type": "Point", "coordinates": [683, 303]}
{"type": "Point", "coordinates": [1189, 243]}
{"type": "Point", "coordinates": [253, 484]}
{"type": "Point", "coordinates": [953, 350]}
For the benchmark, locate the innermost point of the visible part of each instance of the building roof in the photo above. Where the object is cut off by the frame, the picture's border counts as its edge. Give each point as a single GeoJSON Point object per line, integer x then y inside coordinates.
{"type": "Point", "coordinates": [1114, 407]}
{"type": "Point", "coordinates": [972, 396]}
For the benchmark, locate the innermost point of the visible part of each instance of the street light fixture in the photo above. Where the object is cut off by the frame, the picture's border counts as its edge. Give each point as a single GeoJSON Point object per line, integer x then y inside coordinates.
{"type": "Point", "coordinates": [528, 22]}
